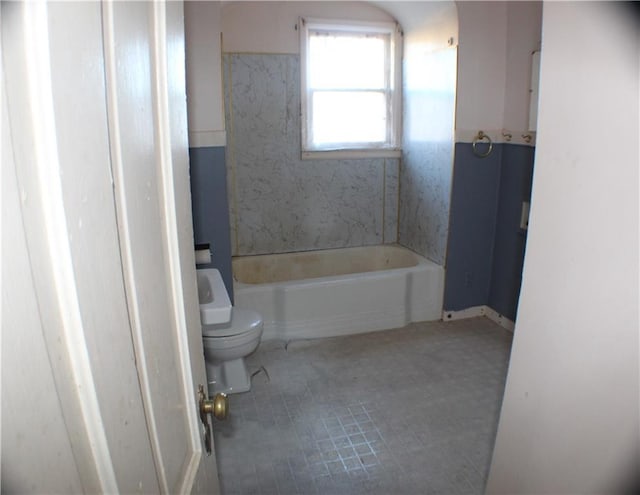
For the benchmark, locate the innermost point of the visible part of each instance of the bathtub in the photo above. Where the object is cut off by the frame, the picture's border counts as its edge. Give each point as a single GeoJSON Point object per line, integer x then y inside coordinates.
{"type": "Point", "coordinates": [338, 291]}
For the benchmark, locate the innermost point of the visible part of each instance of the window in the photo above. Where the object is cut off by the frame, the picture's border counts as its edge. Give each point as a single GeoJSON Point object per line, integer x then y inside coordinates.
{"type": "Point", "coordinates": [350, 78]}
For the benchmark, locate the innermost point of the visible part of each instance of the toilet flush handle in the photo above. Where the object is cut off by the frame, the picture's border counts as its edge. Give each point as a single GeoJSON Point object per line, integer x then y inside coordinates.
{"type": "Point", "coordinates": [219, 407]}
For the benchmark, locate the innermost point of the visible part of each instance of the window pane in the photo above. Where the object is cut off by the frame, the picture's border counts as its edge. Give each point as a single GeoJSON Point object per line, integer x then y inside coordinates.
{"type": "Point", "coordinates": [349, 117]}
{"type": "Point", "coordinates": [347, 61]}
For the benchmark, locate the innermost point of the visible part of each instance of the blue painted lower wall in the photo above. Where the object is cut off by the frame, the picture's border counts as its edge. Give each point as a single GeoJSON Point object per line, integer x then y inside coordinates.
{"type": "Point", "coordinates": [210, 207]}
{"type": "Point", "coordinates": [486, 246]}
{"type": "Point", "coordinates": [516, 175]}
{"type": "Point", "coordinates": [472, 226]}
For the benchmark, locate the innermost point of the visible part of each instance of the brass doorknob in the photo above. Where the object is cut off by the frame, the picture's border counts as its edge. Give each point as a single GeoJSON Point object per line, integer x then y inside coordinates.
{"type": "Point", "coordinates": [219, 406]}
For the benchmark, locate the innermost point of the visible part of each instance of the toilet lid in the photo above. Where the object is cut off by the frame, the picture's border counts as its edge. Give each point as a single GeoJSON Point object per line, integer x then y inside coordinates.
{"type": "Point", "coordinates": [242, 321]}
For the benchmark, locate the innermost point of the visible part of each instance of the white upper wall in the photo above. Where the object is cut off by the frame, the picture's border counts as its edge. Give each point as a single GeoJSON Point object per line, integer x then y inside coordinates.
{"type": "Point", "coordinates": [204, 73]}
{"type": "Point", "coordinates": [494, 54]}
{"type": "Point", "coordinates": [524, 24]}
{"type": "Point", "coordinates": [570, 418]}
{"type": "Point", "coordinates": [254, 27]}
{"type": "Point", "coordinates": [270, 27]}
{"type": "Point", "coordinates": [427, 26]}
{"type": "Point", "coordinates": [494, 64]}
{"type": "Point", "coordinates": [481, 65]}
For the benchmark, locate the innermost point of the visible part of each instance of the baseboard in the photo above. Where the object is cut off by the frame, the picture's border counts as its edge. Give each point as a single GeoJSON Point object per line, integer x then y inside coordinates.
{"type": "Point", "coordinates": [500, 319]}
{"type": "Point", "coordinates": [472, 312]}
{"type": "Point", "coordinates": [476, 311]}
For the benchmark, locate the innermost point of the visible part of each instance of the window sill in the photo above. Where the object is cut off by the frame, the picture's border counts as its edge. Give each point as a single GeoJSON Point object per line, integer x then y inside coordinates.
{"type": "Point", "coordinates": [350, 154]}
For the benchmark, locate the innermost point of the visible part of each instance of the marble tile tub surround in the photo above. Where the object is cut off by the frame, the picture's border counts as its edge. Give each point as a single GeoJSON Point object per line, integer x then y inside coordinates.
{"type": "Point", "coordinates": [279, 202]}
{"type": "Point", "coordinates": [427, 151]}
{"type": "Point", "coordinates": [410, 411]}
{"type": "Point", "coordinates": [425, 184]}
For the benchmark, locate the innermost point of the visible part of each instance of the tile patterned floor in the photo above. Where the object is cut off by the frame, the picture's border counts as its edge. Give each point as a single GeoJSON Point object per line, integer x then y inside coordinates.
{"type": "Point", "coordinates": [411, 410]}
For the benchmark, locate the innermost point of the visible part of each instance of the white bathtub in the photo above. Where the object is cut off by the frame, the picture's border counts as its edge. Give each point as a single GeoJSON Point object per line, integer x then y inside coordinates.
{"type": "Point", "coordinates": [338, 291]}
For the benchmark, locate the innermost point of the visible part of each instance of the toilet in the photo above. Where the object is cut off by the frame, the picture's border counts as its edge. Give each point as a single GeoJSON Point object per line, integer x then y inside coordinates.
{"type": "Point", "coordinates": [225, 347]}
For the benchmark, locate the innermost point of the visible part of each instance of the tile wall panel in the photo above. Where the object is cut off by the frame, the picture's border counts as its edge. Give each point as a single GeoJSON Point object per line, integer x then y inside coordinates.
{"type": "Point", "coordinates": [425, 185]}
{"type": "Point", "coordinates": [233, 232]}
{"type": "Point", "coordinates": [429, 85]}
{"type": "Point", "coordinates": [391, 199]}
{"type": "Point", "coordinates": [279, 202]}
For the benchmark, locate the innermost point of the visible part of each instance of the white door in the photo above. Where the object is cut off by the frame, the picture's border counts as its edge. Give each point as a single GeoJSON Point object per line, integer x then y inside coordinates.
{"type": "Point", "coordinates": [101, 339]}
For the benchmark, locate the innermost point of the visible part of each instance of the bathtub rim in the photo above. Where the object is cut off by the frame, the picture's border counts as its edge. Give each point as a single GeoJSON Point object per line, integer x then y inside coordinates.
{"type": "Point", "coordinates": [422, 262]}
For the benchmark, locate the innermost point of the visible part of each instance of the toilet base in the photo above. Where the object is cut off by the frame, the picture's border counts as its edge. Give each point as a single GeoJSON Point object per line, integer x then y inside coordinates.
{"type": "Point", "coordinates": [229, 377]}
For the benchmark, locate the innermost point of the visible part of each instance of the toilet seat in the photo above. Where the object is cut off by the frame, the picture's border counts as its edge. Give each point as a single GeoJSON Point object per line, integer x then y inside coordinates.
{"type": "Point", "coordinates": [242, 321]}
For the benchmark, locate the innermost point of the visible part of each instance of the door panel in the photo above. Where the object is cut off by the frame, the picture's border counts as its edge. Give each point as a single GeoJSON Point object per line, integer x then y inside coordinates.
{"type": "Point", "coordinates": [206, 478]}
{"type": "Point", "coordinates": [98, 127]}
{"type": "Point", "coordinates": [136, 150]}
{"type": "Point", "coordinates": [26, 371]}
{"type": "Point", "coordinates": [58, 123]}
{"type": "Point", "coordinates": [83, 155]}
{"type": "Point", "coordinates": [144, 50]}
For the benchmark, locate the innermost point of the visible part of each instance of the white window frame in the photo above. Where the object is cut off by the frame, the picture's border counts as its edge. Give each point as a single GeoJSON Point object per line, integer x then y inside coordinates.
{"type": "Point", "coordinates": [389, 149]}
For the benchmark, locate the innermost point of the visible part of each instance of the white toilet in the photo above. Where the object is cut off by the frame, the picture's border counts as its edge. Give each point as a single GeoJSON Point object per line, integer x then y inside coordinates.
{"type": "Point", "coordinates": [225, 347]}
